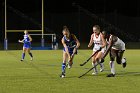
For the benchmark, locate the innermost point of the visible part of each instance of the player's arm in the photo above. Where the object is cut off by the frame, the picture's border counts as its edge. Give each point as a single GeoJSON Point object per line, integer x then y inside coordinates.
{"type": "Point", "coordinates": [30, 38]}
{"type": "Point", "coordinates": [65, 46]}
{"type": "Point", "coordinates": [111, 42]}
{"type": "Point", "coordinates": [21, 41]}
{"type": "Point", "coordinates": [91, 41]}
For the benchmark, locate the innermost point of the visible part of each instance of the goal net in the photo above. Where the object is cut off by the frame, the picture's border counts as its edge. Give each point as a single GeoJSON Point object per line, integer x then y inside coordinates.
{"type": "Point", "coordinates": [48, 42]}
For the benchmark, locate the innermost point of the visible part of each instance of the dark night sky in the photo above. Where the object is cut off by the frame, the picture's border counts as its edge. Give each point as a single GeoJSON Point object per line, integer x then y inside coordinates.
{"type": "Point", "coordinates": [129, 8]}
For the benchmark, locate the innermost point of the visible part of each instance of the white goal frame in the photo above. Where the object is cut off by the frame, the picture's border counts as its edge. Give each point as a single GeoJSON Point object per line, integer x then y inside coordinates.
{"type": "Point", "coordinates": [53, 39]}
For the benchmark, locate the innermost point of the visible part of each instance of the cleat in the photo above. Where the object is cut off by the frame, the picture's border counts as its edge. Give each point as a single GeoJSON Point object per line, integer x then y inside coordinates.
{"type": "Point", "coordinates": [69, 65]}
{"type": "Point", "coordinates": [94, 73]}
{"type": "Point", "coordinates": [124, 63]}
{"type": "Point", "coordinates": [21, 60]}
{"type": "Point", "coordinates": [101, 69]}
{"type": "Point", "coordinates": [31, 59]}
{"type": "Point", "coordinates": [110, 75]}
{"type": "Point", "coordinates": [62, 75]}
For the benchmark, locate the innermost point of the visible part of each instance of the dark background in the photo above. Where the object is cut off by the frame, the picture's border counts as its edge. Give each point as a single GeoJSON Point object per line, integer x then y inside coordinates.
{"type": "Point", "coordinates": [120, 16]}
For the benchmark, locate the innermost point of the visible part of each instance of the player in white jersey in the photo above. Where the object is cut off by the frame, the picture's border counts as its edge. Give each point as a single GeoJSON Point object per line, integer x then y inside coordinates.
{"type": "Point", "coordinates": [99, 44]}
{"type": "Point", "coordinates": [116, 47]}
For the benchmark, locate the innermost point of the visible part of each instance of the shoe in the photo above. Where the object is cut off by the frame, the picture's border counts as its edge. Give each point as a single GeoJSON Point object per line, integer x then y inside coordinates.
{"type": "Point", "coordinates": [21, 60]}
{"type": "Point", "coordinates": [124, 63]}
{"type": "Point", "coordinates": [110, 75]}
{"type": "Point", "coordinates": [101, 69]}
{"type": "Point", "coordinates": [94, 73]}
{"type": "Point", "coordinates": [62, 75]}
{"type": "Point", "coordinates": [31, 59]}
{"type": "Point", "coordinates": [69, 65]}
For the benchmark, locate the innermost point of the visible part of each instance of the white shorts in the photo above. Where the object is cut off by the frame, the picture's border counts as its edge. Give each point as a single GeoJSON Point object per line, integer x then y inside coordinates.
{"type": "Point", "coordinates": [103, 50]}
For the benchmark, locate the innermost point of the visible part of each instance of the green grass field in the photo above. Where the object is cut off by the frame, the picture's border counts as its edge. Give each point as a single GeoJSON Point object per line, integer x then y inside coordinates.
{"type": "Point", "coordinates": [42, 75]}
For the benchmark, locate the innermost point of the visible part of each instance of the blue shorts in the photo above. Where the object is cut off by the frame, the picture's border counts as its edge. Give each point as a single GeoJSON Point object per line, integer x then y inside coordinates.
{"type": "Point", "coordinates": [27, 45]}
{"type": "Point", "coordinates": [70, 50]}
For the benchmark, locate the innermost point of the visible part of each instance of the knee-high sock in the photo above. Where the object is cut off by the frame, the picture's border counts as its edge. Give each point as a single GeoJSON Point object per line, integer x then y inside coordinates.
{"type": "Point", "coordinates": [95, 68]}
{"type": "Point", "coordinates": [101, 64]}
{"type": "Point", "coordinates": [30, 54]}
{"type": "Point", "coordinates": [23, 55]}
{"type": "Point", "coordinates": [63, 67]}
{"type": "Point", "coordinates": [112, 66]}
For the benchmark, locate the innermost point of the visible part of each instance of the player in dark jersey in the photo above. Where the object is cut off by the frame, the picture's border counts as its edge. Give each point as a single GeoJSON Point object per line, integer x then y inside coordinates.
{"type": "Point", "coordinates": [116, 48]}
{"type": "Point", "coordinates": [26, 45]}
{"type": "Point", "coordinates": [70, 44]}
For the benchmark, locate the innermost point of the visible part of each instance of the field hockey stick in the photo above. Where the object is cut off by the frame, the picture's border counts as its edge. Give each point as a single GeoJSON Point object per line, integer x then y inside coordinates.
{"type": "Point", "coordinates": [68, 63]}
{"type": "Point", "coordinates": [74, 52]}
{"type": "Point", "coordinates": [89, 70]}
{"type": "Point", "coordinates": [89, 58]}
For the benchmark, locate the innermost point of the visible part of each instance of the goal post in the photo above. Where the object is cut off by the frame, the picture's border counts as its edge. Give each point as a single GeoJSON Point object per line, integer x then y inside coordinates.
{"type": "Point", "coordinates": [30, 30]}
{"type": "Point", "coordinates": [15, 31]}
{"type": "Point", "coordinates": [5, 38]}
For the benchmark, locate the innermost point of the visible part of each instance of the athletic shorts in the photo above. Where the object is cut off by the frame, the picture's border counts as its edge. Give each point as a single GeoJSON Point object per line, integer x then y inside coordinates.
{"type": "Point", "coordinates": [27, 45]}
{"type": "Point", "coordinates": [102, 50]}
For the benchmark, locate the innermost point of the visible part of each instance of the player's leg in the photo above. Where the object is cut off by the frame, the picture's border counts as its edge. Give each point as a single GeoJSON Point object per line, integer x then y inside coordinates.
{"type": "Point", "coordinates": [65, 57]}
{"type": "Point", "coordinates": [112, 63]}
{"type": "Point", "coordinates": [23, 54]}
{"type": "Point", "coordinates": [102, 67]}
{"type": "Point", "coordinates": [29, 52]}
{"type": "Point", "coordinates": [119, 58]}
{"type": "Point", "coordinates": [70, 62]}
{"type": "Point", "coordinates": [72, 54]}
{"type": "Point", "coordinates": [95, 71]}
{"type": "Point", "coordinates": [99, 57]}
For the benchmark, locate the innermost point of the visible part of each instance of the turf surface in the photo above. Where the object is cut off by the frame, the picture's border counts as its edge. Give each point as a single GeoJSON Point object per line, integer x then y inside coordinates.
{"type": "Point", "coordinates": [42, 74]}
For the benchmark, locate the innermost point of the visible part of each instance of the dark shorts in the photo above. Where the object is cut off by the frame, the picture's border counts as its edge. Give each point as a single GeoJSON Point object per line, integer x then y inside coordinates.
{"type": "Point", "coordinates": [118, 54]}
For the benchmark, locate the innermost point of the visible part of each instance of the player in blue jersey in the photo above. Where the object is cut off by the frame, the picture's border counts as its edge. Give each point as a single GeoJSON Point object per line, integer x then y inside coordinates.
{"type": "Point", "coordinates": [26, 45]}
{"type": "Point", "coordinates": [70, 44]}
